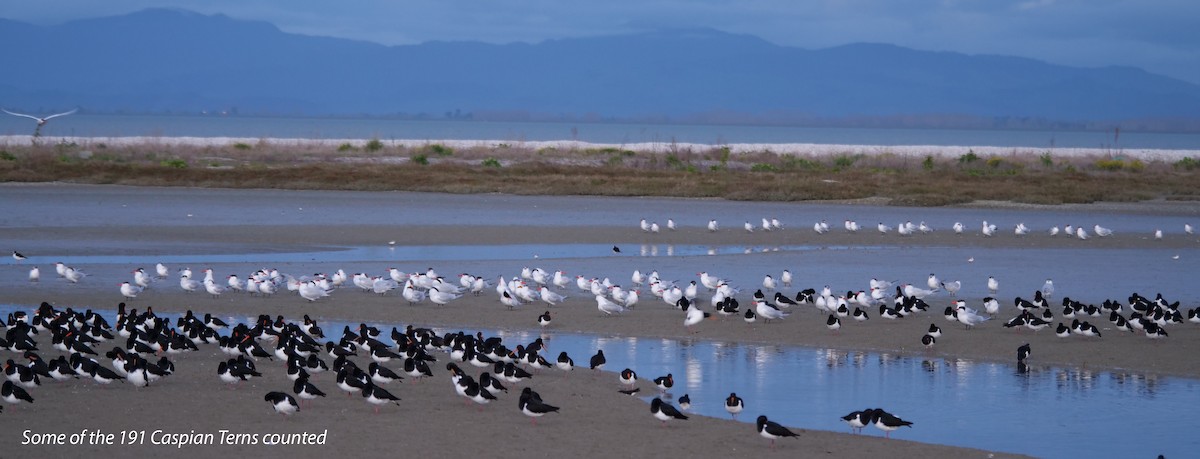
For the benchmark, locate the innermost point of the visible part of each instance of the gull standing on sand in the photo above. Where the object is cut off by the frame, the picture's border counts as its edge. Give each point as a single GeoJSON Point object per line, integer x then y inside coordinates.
{"type": "Point", "coordinates": [968, 316]}
{"type": "Point", "coordinates": [767, 311]}
{"type": "Point", "coordinates": [41, 121]}
{"type": "Point", "coordinates": [1048, 288]}
{"type": "Point", "coordinates": [988, 230]}
{"type": "Point", "coordinates": [952, 287]}
{"type": "Point", "coordinates": [608, 307]}
{"type": "Point", "coordinates": [549, 297]}
{"type": "Point", "coordinates": [130, 291]}
{"type": "Point", "coordinates": [768, 282]}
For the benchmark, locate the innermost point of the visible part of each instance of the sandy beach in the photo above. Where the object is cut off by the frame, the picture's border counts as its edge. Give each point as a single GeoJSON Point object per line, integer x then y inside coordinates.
{"type": "Point", "coordinates": [595, 419]}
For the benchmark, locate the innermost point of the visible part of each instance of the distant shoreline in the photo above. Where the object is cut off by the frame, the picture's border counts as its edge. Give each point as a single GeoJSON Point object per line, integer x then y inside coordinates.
{"type": "Point", "coordinates": [813, 149]}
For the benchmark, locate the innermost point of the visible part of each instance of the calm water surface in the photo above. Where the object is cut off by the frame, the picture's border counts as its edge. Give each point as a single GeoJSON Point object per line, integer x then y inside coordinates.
{"type": "Point", "coordinates": [613, 133]}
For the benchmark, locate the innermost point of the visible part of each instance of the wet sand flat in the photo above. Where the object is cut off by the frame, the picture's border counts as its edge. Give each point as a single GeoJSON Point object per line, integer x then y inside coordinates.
{"type": "Point", "coordinates": [595, 419]}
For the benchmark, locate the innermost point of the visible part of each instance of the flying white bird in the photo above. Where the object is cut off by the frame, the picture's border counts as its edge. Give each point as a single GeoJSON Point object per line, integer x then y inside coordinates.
{"type": "Point", "coordinates": [40, 121]}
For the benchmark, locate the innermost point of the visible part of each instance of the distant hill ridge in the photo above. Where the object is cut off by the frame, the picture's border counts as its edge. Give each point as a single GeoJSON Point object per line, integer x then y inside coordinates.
{"type": "Point", "coordinates": [160, 60]}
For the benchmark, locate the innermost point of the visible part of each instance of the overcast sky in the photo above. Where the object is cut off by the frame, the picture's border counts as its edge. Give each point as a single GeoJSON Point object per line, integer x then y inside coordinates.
{"type": "Point", "coordinates": [1162, 36]}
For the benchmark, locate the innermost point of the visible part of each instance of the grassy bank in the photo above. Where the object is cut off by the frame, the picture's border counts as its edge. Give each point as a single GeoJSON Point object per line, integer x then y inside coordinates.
{"type": "Point", "coordinates": [923, 180]}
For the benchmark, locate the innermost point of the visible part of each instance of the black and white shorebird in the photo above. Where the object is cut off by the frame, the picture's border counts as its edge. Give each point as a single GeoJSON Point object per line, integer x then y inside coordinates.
{"type": "Point", "coordinates": [887, 422]}
{"type": "Point", "coordinates": [564, 362]}
{"type": "Point", "coordinates": [598, 360]}
{"type": "Point", "coordinates": [41, 121]}
{"type": "Point", "coordinates": [531, 405]}
{"type": "Point", "coordinates": [628, 377]}
{"type": "Point", "coordinates": [858, 419]}
{"type": "Point", "coordinates": [771, 430]}
{"type": "Point", "coordinates": [833, 323]}
{"type": "Point", "coordinates": [928, 340]}
{"type": "Point", "coordinates": [17, 256]}
{"type": "Point", "coordinates": [1023, 352]}
{"type": "Point", "coordinates": [664, 411]}
{"type": "Point", "coordinates": [685, 402]}
{"type": "Point", "coordinates": [283, 403]}
{"type": "Point", "coordinates": [377, 396]}
{"type": "Point", "coordinates": [381, 374]}
{"type": "Point", "coordinates": [12, 393]}
{"type": "Point", "coordinates": [664, 383]}
{"type": "Point", "coordinates": [734, 404]}
{"type": "Point", "coordinates": [306, 390]}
